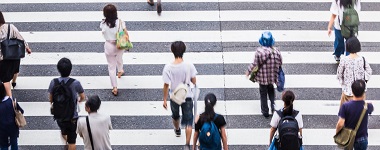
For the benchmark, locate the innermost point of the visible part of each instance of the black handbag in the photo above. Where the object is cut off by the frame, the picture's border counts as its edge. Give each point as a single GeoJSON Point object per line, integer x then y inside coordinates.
{"type": "Point", "coordinates": [12, 48]}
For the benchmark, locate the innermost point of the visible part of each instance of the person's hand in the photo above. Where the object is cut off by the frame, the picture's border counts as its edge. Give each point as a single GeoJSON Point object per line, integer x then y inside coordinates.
{"type": "Point", "coordinates": [246, 73]}
{"type": "Point", "coordinates": [165, 105]}
{"type": "Point", "coordinates": [28, 50]}
{"type": "Point", "coordinates": [329, 32]}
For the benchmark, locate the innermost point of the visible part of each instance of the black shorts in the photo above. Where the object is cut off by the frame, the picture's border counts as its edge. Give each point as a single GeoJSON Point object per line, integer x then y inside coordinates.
{"type": "Point", "coordinates": [8, 68]}
{"type": "Point", "coordinates": [69, 128]}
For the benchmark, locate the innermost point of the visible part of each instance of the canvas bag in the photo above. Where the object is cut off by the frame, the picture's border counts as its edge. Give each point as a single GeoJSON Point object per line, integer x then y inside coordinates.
{"type": "Point", "coordinates": [122, 39]}
{"type": "Point", "coordinates": [19, 117]}
{"type": "Point", "coordinates": [350, 22]}
{"type": "Point", "coordinates": [180, 92]}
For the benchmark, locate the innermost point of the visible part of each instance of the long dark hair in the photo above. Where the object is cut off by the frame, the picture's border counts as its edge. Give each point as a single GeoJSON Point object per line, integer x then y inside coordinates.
{"type": "Point", "coordinates": [210, 101]}
{"type": "Point", "coordinates": [2, 20]}
{"type": "Point", "coordinates": [288, 98]}
{"type": "Point", "coordinates": [345, 3]}
{"type": "Point", "coordinates": [2, 91]}
{"type": "Point", "coordinates": [110, 12]}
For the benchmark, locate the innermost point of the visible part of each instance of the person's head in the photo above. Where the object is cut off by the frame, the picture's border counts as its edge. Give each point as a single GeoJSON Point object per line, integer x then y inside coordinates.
{"type": "Point", "coordinates": [178, 48]}
{"type": "Point", "coordinates": [288, 97]}
{"type": "Point", "coordinates": [64, 67]}
{"type": "Point", "coordinates": [266, 39]}
{"type": "Point", "coordinates": [93, 103]}
{"type": "Point", "coordinates": [353, 45]}
{"type": "Point", "coordinates": [358, 88]}
{"type": "Point", "coordinates": [110, 13]}
{"type": "Point", "coordinates": [210, 101]}
{"type": "Point", "coordinates": [2, 90]}
{"type": "Point", "coordinates": [2, 20]}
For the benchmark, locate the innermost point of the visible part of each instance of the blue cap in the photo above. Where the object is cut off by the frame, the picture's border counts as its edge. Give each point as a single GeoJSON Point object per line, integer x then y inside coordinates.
{"type": "Point", "coordinates": [266, 39]}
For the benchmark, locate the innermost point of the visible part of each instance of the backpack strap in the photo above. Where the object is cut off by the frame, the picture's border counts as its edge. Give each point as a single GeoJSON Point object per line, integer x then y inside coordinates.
{"type": "Point", "coordinates": [215, 116]}
{"type": "Point", "coordinates": [71, 80]}
{"type": "Point", "coordinates": [279, 112]}
{"type": "Point", "coordinates": [295, 113]}
{"type": "Point", "coordinates": [56, 81]}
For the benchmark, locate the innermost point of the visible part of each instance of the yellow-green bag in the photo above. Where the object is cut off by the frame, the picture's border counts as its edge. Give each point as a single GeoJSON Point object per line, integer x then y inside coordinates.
{"type": "Point", "coordinates": [122, 39]}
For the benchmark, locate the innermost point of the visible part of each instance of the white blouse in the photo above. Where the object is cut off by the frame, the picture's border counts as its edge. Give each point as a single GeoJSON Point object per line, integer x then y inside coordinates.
{"type": "Point", "coordinates": [337, 10]}
{"type": "Point", "coordinates": [110, 33]}
{"type": "Point", "coordinates": [351, 69]}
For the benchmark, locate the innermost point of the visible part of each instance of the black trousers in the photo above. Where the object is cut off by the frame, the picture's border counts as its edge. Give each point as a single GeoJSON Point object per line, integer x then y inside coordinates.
{"type": "Point", "coordinates": [265, 92]}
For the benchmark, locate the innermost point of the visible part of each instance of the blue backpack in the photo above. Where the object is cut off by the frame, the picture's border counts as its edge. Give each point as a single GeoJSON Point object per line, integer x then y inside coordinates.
{"type": "Point", "coordinates": [209, 136]}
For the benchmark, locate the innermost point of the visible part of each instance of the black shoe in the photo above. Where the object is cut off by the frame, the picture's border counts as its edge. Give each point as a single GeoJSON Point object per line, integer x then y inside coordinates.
{"type": "Point", "coordinates": [159, 7]}
{"type": "Point", "coordinates": [266, 115]}
{"type": "Point", "coordinates": [13, 84]}
{"type": "Point", "coordinates": [150, 2]}
{"type": "Point", "coordinates": [177, 132]}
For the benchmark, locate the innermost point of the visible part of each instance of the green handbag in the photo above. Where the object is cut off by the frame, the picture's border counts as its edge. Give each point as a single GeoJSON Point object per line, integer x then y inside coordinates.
{"type": "Point", "coordinates": [122, 39]}
{"type": "Point", "coordinates": [345, 138]}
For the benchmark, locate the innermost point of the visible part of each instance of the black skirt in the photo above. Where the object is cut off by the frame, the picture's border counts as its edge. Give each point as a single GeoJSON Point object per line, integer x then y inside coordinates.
{"type": "Point", "coordinates": [8, 68]}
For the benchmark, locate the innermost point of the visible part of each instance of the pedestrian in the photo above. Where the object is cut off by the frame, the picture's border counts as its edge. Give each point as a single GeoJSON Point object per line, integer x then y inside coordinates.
{"type": "Point", "coordinates": [294, 121]}
{"type": "Point", "coordinates": [100, 125]}
{"type": "Point", "coordinates": [9, 131]}
{"type": "Point", "coordinates": [173, 74]}
{"type": "Point", "coordinates": [159, 7]}
{"type": "Point", "coordinates": [63, 96]}
{"type": "Point", "coordinates": [9, 69]}
{"type": "Point", "coordinates": [207, 117]}
{"type": "Point", "coordinates": [349, 114]}
{"type": "Point", "coordinates": [337, 8]}
{"type": "Point", "coordinates": [110, 27]}
{"type": "Point", "coordinates": [351, 68]}
{"type": "Point", "coordinates": [269, 58]}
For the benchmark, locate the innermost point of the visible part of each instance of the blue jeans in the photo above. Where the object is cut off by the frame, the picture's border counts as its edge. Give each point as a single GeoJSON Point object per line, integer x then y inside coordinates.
{"type": "Point", "coordinates": [13, 143]}
{"type": "Point", "coordinates": [187, 112]}
{"type": "Point", "coordinates": [339, 46]}
{"type": "Point", "coordinates": [361, 144]}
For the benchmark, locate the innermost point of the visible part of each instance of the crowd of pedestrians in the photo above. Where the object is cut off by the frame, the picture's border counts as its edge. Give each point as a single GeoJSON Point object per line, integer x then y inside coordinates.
{"type": "Point", "coordinates": [210, 127]}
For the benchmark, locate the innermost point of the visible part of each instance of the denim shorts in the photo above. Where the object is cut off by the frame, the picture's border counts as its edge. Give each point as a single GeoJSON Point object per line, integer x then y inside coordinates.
{"type": "Point", "coordinates": [187, 112]}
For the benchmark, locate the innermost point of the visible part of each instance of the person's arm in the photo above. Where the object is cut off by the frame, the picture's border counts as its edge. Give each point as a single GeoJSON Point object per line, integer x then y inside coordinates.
{"type": "Point", "coordinates": [224, 137]}
{"type": "Point", "coordinates": [271, 134]}
{"type": "Point", "coordinates": [254, 63]}
{"type": "Point", "coordinates": [340, 124]}
{"type": "Point", "coordinates": [194, 80]}
{"type": "Point", "coordinates": [82, 97]}
{"type": "Point", "coordinates": [331, 23]}
{"type": "Point", "coordinates": [51, 98]}
{"type": "Point", "coordinates": [340, 72]}
{"type": "Point", "coordinates": [300, 132]}
{"type": "Point", "coordinates": [165, 92]}
{"type": "Point", "coordinates": [79, 131]}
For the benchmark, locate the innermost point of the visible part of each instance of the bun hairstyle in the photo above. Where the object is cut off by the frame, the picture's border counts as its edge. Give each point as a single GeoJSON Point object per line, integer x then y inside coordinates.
{"type": "Point", "coordinates": [210, 101]}
{"type": "Point", "coordinates": [288, 98]}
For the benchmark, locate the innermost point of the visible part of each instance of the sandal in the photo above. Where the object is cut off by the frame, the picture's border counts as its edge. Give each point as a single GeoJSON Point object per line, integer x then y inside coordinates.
{"type": "Point", "coordinates": [150, 2]}
{"type": "Point", "coordinates": [119, 74]}
{"type": "Point", "coordinates": [114, 92]}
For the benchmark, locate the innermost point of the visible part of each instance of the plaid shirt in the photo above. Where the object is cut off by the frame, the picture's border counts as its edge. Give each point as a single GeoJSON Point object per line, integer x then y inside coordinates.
{"type": "Point", "coordinates": [268, 72]}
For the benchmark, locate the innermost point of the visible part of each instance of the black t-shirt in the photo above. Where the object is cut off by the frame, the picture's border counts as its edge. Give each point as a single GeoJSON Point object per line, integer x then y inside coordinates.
{"type": "Point", "coordinates": [219, 122]}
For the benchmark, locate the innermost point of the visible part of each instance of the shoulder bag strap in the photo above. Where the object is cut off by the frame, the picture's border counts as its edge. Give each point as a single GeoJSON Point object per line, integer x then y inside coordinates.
{"type": "Point", "coordinates": [188, 78]}
{"type": "Point", "coordinates": [89, 132]}
{"type": "Point", "coordinates": [361, 116]}
{"type": "Point", "coordinates": [266, 60]}
{"type": "Point", "coordinates": [364, 67]}
{"type": "Point", "coordinates": [9, 31]}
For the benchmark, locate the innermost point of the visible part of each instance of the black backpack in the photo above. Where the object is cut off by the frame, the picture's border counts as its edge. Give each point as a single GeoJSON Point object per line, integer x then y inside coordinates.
{"type": "Point", "coordinates": [63, 101]}
{"type": "Point", "coordinates": [288, 132]}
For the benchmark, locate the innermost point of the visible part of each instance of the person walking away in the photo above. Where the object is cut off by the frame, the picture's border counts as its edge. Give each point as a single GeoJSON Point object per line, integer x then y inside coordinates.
{"type": "Point", "coordinates": [270, 60]}
{"type": "Point", "coordinates": [9, 131]}
{"type": "Point", "coordinates": [159, 7]}
{"type": "Point", "coordinates": [337, 9]}
{"type": "Point", "coordinates": [110, 26]}
{"type": "Point", "coordinates": [100, 125]}
{"type": "Point", "coordinates": [351, 68]}
{"type": "Point", "coordinates": [288, 122]}
{"type": "Point", "coordinates": [210, 124]}
{"type": "Point", "coordinates": [63, 93]}
{"type": "Point", "coordinates": [173, 74]}
{"type": "Point", "coordinates": [350, 112]}
{"type": "Point", "coordinates": [9, 69]}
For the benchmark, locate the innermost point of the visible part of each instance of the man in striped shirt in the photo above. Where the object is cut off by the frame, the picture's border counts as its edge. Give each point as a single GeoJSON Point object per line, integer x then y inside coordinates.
{"type": "Point", "coordinates": [268, 59]}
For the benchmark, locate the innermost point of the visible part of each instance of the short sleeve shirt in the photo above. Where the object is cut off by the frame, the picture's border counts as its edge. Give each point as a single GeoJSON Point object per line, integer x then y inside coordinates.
{"type": "Point", "coordinates": [337, 10]}
{"type": "Point", "coordinates": [276, 119]}
{"type": "Point", "coordinates": [100, 125]}
{"type": "Point", "coordinates": [110, 33]}
{"type": "Point", "coordinates": [76, 88]}
{"type": "Point", "coordinates": [219, 122]}
{"type": "Point", "coordinates": [351, 111]}
{"type": "Point", "coordinates": [174, 74]}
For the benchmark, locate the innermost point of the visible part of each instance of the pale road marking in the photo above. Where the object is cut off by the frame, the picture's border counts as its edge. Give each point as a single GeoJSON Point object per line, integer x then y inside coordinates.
{"type": "Point", "coordinates": [225, 15]}
{"type": "Point", "coordinates": [204, 81]}
{"type": "Point", "coordinates": [131, 58]}
{"type": "Point", "coordinates": [231, 107]}
{"type": "Point", "coordinates": [194, 36]}
{"type": "Point", "coordinates": [187, 1]}
{"type": "Point", "coordinates": [166, 137]}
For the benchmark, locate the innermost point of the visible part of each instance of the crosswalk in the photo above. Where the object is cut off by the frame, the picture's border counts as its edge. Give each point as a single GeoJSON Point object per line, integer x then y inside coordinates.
{"type": "Point", "coordinates": [221, 36]}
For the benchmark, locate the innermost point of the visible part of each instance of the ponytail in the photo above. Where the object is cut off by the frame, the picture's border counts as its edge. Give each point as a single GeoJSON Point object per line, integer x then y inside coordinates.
{"type": "Point", "coordinates": [210, 101]}
{"type": "Point", "coordinates": [288, 98]}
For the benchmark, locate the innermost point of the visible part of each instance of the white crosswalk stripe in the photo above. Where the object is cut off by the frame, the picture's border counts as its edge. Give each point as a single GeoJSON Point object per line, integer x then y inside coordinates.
{"type": "Point", "coordinates": [239, 101]}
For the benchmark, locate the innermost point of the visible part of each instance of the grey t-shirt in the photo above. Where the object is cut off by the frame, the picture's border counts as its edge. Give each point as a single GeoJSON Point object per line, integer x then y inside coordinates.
{"type": "Point", "coordinates": [174, 74]}
{"type": "Point", "coordinates": [75, 87]}
{"type": "Point", "coordinates": [100, 129]}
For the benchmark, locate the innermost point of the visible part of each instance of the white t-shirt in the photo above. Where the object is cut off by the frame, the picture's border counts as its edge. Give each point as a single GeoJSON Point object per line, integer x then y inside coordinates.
{"type": "Point", "coordinates": [110, 33]}
{"type": "Point", "coordinates": [100, 125]}
{"type": "Point", "coordinates": [174, 74]}
{"type": "Point", "coordinates": [276, 118]}
{"type": "Point", "coordinates": [337, 10]}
